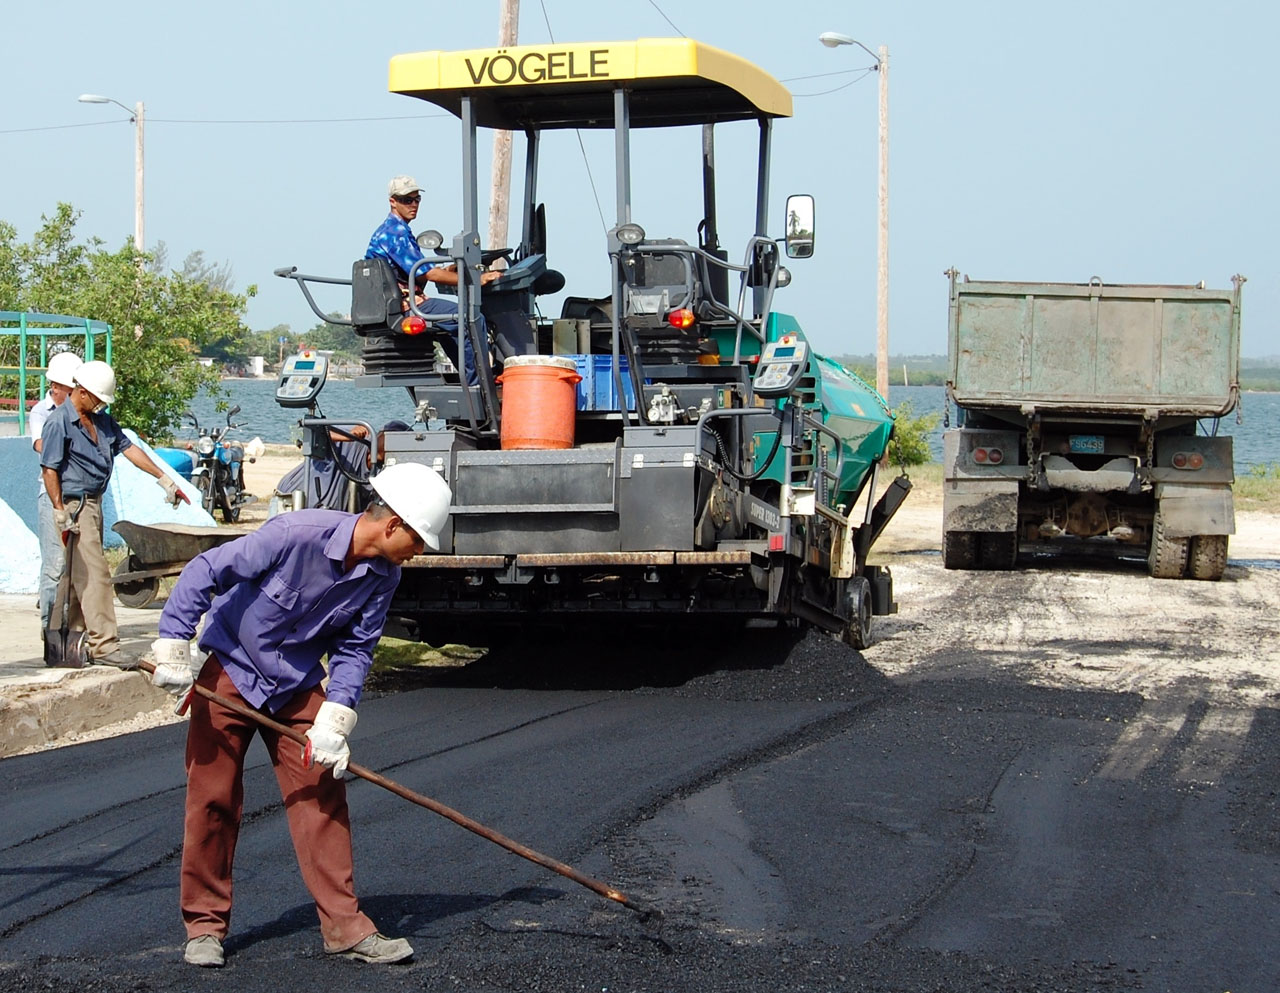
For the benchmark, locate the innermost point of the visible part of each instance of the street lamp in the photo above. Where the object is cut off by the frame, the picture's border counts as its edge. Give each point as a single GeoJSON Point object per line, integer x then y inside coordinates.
{"type": "Point", "coordinates": [137, 116]}
{"type": "Point", "coordinates": [832, 40]}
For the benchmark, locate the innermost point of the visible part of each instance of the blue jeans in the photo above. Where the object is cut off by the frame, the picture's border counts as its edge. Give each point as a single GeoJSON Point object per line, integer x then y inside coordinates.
{"type": "Point", "coordinates": [51, 556]}
{"type": "Point", "coordinates": [434, 305]}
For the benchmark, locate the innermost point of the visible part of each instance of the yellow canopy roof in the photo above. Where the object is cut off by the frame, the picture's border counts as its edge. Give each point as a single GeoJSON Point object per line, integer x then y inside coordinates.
{"type": "Point", "coordinates": [671, 81]}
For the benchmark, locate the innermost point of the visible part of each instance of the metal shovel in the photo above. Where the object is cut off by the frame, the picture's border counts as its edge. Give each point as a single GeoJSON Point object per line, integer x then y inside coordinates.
{"type": "Point", "coordinates": [63, 648]}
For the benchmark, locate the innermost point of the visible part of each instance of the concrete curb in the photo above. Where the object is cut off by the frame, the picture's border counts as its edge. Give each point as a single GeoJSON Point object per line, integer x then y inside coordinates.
{"type": "Point", "coordinates": [83, 700]}
{"type": "Point", "coordinates": [42, 706]}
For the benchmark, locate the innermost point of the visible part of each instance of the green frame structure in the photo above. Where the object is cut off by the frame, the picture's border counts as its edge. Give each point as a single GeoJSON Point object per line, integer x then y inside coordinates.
{"type": "Point", "coordinates": [28, 324]}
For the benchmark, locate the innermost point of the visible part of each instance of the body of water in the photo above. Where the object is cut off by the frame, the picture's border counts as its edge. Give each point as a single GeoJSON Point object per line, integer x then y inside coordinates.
{"type": "Point", "coordinates": [1257, 435]}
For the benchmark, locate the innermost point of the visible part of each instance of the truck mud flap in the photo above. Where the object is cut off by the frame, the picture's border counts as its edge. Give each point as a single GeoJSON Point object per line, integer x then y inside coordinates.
{"type": "Point", "coordinates": [1188, 511]}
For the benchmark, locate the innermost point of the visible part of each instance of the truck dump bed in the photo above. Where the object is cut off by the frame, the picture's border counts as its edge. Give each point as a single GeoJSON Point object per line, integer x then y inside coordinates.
{"type": "Point", "coordinates": [1096, 347]}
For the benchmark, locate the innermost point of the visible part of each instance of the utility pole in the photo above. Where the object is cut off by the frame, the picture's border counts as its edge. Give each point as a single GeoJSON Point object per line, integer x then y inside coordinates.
{"type": "Point", "coordinates": [882, 241]}
{"type": "Point", "coordinates": [500, 180]}
{"type": "Point", "coordinates": [139, 239]}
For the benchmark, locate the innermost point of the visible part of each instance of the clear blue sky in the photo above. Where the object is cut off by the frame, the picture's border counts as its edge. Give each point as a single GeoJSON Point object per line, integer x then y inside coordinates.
{"type": "Point", "coordinates": [1132, 140]}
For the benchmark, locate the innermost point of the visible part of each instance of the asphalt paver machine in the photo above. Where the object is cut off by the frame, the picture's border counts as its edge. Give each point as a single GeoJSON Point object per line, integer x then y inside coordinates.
{"type": "Point", "coordinates": [716, 469]}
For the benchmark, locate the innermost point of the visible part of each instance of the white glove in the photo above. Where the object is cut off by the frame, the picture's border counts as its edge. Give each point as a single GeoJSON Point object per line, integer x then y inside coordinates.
{"type": "Point", "coordinates": [173, 496]}
{"type": "Point", "coordinates": [64, 524]}
{"type": "Point", "coordinates": [327, 738]}
{"type": "Point", "coordinates": [178, 663]}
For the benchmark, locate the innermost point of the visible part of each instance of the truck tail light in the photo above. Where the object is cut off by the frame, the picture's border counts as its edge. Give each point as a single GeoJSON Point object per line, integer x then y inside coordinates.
{"type": "Point", "coordinates": [1188, 460]}
{"type": "Point", "coordinates": [776, 543]}
{"type": "Point", "coordinates": [988, 456]}
{"type": "Point", "coordinates": [413, 324]}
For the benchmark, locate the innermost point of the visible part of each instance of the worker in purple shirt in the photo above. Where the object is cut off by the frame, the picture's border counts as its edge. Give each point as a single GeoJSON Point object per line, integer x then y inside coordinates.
{"type": "Point", "coordinates": [394, 241]}
{"type": "Point", "coordinates": [306, 584]}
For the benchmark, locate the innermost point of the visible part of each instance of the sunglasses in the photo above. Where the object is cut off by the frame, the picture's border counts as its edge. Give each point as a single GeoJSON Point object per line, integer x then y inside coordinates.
{"type": "Point", "coordinates": [416, 198]}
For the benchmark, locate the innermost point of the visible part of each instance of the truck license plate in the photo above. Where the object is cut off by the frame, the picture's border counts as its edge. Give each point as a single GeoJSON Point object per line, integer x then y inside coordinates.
{"type": "Point", "coordinates": [1086, 444]}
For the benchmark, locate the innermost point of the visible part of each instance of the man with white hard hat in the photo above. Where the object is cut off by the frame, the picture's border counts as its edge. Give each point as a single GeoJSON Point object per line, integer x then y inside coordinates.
{"type": "Point", "coordinates": [306, 584]}
{"type": "Point", "coordinates": [78, 447]}
{"type": "Point", "coordinates": [60, 375]}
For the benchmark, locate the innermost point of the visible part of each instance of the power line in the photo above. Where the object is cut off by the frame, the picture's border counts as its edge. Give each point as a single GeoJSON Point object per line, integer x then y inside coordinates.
{"type": "Point", "coordinates": [822, 75]}
{"type": "Point", "coordinates": [667, 19]}
{"type": "Point", "coordinates": [582, 145]}
{"type": "Point", "coordinates": [175, 120]}
{"type": "Point", "coordinates": [836, 89]}
{"type": "Point", "coordinates": [59, 127]}
{"type": "Point", "coordinates": [300, 120]}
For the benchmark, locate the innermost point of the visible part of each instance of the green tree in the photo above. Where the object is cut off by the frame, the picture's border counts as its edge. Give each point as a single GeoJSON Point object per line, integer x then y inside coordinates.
{"type": "Point", "coordinates": [161, 320]}
{"type": "Point", "coordinates": [338, 338]}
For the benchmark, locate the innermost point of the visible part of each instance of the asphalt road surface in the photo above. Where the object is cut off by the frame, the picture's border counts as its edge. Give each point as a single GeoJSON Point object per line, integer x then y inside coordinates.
{"type": "Point", "coordinates": [803, 821]}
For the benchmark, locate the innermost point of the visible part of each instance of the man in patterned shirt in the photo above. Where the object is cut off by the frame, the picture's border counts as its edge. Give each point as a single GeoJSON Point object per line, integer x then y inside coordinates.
{"type": "Point", "coordinates": [394, 241]}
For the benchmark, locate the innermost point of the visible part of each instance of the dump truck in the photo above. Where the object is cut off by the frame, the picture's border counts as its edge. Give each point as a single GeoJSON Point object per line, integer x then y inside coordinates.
{"type": "Point", "coordinates": [1086, 418]}
{"type": "Point", "coordinates": [688, 458]}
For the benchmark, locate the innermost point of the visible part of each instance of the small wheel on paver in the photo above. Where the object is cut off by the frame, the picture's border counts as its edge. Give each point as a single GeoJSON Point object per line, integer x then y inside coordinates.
{"type": "Point", "coordinates": [136, 592]}
{"type": "Point", "coordinates": [857, 633]}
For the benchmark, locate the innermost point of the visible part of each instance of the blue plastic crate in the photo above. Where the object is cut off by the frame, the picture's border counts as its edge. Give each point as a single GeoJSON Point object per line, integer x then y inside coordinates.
{"type": "Point", "coordinates": [598, 391]}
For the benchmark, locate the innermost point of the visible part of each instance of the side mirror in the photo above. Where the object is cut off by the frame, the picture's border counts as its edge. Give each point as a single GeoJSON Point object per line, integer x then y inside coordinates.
{"type": "Point", "coordinates": [233, 411]}
{"type": "Point", "coordinates": [799, 226]}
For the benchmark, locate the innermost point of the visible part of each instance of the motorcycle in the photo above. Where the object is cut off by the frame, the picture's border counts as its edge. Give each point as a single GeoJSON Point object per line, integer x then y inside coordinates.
{"type": "Point", "coordinates": [219, 467]}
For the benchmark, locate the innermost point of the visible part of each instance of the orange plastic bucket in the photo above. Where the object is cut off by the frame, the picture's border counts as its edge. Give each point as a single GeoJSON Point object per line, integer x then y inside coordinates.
{"type": "Point", "coordinates": [538, 401]}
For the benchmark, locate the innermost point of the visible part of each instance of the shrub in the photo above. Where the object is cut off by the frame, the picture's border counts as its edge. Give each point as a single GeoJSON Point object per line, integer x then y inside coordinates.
{"type": "Point", "coordinates": [910, 444]}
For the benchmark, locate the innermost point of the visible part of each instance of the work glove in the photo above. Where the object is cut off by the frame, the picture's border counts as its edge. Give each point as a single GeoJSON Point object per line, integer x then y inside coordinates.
{"type": "Point", "coordinates": [327, 738]}
{"type": "Point", "coordinates": [172, 494]}
{"type": "Point", "coordinates": [65, 524]}
{"type": "Point", "coordinates": [178, 663]}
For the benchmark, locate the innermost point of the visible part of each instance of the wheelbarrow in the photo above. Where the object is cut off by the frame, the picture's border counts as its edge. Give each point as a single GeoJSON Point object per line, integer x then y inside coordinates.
{"type": "Point", "coordinates": [157, 550]}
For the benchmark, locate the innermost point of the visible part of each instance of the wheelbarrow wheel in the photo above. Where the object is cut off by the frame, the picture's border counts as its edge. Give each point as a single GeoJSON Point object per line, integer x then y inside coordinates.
{"type": "Point", "coordinates": [136, 592]}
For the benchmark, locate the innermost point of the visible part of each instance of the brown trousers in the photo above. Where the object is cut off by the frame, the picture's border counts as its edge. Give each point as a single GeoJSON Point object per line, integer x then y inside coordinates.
{"type": "Point", "coordinates": [91, 608]}
{"type": "Point", "coordinates": [315, 803]}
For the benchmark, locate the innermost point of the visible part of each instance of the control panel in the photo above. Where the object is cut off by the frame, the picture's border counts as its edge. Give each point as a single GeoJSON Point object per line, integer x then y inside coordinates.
{"type": "Point", "coordinates": [519, 276]}
{"type": "Point", "coordinates": [301, 378]}
{"type": "Point", "coordinates": [782, 363]}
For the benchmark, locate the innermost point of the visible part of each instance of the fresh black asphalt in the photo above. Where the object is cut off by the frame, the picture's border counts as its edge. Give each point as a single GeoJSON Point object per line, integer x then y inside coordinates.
{"type": "Point", "coordinates": [802, 822]}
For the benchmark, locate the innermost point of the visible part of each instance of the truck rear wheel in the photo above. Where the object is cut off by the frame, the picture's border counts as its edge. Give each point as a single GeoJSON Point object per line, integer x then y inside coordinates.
{"type": "Point", "coordinates": [959, 549]}
{"type": "Point", "coordinates": [1168, 556]}
{"type": "Point", "coordinates": [997, 549]}
{"type": "Point", "coordinates": [1207, 558]}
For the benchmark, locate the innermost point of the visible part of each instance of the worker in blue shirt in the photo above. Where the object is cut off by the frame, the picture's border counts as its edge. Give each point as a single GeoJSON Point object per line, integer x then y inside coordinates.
{"type": "Point", "coordinates": [307, 584]}
{"type": "Point", "coordinates": [78, 447]}
{"type": "Point", "coordinates": [394, 241]}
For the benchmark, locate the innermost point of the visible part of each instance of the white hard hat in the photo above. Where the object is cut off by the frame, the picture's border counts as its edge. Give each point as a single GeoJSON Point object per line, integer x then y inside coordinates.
{"type": "Point", "coordinates": [62, 368]}
{"type": "Point", "coordinates": [418, 495]}
{"type": "Point", "coordinates": [98, 378]}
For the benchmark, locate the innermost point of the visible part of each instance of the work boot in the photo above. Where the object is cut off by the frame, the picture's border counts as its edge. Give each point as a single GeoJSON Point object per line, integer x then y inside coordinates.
{"type": "Point", "coordinates": [205, 951]}
{"type": "Point", "coordinates": [379, 949]}
{"type": "Point", "coordinates": [117, 658]}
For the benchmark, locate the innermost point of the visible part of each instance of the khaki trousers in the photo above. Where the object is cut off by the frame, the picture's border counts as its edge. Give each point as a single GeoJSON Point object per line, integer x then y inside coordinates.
{"type": "Point", "coordinates": [92, 608]}
{"type": "Point", "coordinates": [314, 802]}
